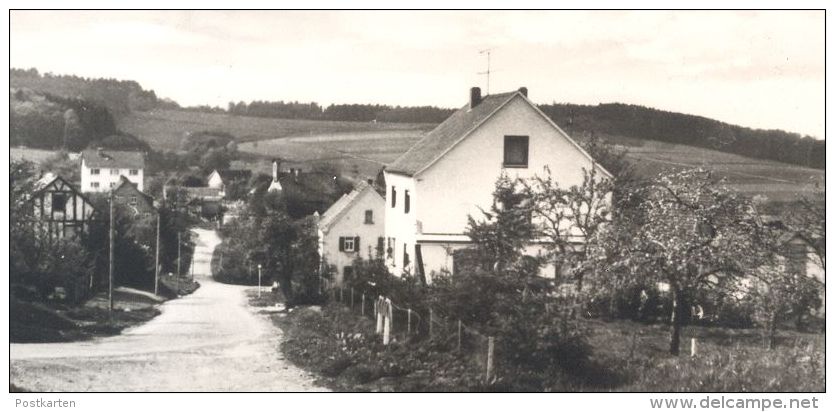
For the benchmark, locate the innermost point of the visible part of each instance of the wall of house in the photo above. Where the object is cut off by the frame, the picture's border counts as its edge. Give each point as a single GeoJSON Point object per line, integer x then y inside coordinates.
{"type": "Point", "coordinates": [108, 179]}
{"type": "Point", "coordinates": [352, 224]}
{"type": "Point", "coordinates": [399, 225]}
{"type": "Point", "coordinates": [67, 221]}
{"type": "Point", "coordinates": [444, 195]}
{"type": "Point", "coordinates": [463, 180]}
{"type": "Point", "coordinates": [215, 181]}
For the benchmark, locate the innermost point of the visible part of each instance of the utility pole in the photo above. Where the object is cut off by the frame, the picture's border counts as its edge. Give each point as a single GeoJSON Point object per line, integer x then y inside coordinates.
{"type": "Point", "coordinates": [178, 262]}
{"type": "Point", "coordinates": [259, 280]}
{"type": "Point", "coordinates": [156, 261]}
{"type": "Point", "coordinates": [487, 52]}
{"type": "Point", "coordinates": [110, 275]}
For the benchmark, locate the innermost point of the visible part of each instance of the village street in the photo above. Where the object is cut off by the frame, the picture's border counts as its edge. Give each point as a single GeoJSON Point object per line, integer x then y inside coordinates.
{"type": "Point", "coordinates": [208, 341]}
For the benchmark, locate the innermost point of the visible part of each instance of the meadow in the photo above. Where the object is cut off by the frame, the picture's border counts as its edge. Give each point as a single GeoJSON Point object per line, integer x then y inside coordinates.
{"type": "Point", "coordinates": [32, 155]}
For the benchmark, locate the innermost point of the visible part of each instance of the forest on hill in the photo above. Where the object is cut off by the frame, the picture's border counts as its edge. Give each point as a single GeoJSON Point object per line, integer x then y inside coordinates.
{"type": "Point", "coordinates": [647, 123]}
{"type": "Point", "coordinates": [96, 101]}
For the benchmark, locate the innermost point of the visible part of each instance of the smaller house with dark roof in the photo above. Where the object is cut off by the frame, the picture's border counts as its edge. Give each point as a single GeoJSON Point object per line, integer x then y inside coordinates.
{"type": "Point", "coordinates": [352, 227]}
{"type": "Point", "coordinates": [60, 210]}
{"type": "Point", "coordinates": [102, 169]}
{"type": "Point", "coordinates": [219, 179]}
{"type": "Point", "coordinates": [133, 201]}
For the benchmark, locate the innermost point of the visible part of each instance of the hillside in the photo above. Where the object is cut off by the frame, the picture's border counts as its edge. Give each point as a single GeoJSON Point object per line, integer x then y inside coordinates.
{"type": "Point", "coordinates": [638, 122]}
{"type": "Point", "coordinates": [166, 129]}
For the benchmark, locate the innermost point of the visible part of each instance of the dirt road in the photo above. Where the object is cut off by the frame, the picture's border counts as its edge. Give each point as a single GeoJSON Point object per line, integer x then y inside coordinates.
{"type": "Point", "coordinates": [208, 341]}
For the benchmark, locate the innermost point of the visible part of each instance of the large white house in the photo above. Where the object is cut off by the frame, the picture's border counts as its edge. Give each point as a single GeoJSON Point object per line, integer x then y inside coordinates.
{"type": "Point", "coordinates": [101, 169]}
{"type": "Point", "coordinates": [452, 171]}
{"type": "Point", "coordinates": [352, 227]}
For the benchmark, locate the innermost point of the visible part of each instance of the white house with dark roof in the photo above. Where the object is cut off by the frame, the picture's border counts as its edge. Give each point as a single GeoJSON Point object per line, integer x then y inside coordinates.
{"type": "Point", "coordinates": [352, 227]}
{"type": "Point", "coordinates": [101, 169]}
{"type": "Point", "coordinates": [451, 172]}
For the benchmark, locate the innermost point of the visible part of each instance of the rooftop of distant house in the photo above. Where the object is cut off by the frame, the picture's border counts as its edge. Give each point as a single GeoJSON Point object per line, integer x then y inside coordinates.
{"type": "Point", "coordinates": [106, 158]}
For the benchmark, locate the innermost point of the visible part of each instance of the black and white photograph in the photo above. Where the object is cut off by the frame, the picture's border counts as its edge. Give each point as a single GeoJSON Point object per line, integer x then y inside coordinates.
{"type": "Point", "coordinates": [524, 201]}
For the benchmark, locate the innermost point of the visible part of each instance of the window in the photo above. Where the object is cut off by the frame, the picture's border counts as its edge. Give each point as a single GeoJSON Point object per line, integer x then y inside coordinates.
{"type": "Point", "coordinates": [114, 172]}
{"type": "Point", "coordinates": [516, 151]}
{"type": "Point", "coordinates": [112, 184]}
{"type": "Point", "coordinates": [349, 244]}
{"type": "Point", "coordinates": [134, 172]}
{"type": "Point", "coordinates": [393, 197]}
{"type": "Point", "coordinates": [406, 202]}
{"type": "Point", "coordinates": [369, 217]}
{"type": "Point", "coordinates": [381, 246]}
{"type": "Point", "coordinates": [95, 171]}
{"type": "Point", "coordinates": [59, 201]}
{"type": "Point", "coordinates": [133, 200]}
{"type": "Point", "coordinates": [94, 184]}
{"type": "Point", "coordinates": [405, 256]}
{"type": "Point", "coordinates": [390, 248]}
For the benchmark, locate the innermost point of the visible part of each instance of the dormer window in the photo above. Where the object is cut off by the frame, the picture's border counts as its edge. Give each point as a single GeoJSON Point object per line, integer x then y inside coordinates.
{"type": "Point", "coordinates": [516, 151]}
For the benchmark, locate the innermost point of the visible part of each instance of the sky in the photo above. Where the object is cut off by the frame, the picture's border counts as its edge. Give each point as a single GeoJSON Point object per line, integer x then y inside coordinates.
{"type": "Point", "coordinates": [756, 69]}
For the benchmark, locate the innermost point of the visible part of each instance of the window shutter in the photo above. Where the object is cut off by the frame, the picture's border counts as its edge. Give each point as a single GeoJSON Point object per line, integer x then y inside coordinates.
{"type": "Point", "coordinates": [357, 244]}
{"type": "Point", "coordinates": [341, 244]}
{"type": "Point", "coordinates": [381, 244]}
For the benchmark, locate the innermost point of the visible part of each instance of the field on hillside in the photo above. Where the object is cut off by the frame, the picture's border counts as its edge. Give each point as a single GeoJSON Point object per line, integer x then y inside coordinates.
{"type": "Point", "coordinates": [360, 149]}
{"type": "Point", "coordinates": [366, 153]}
{"type": "Point", "coordinates": [32, 155]}
{"type": "Point", "coordinates": [165, 129]}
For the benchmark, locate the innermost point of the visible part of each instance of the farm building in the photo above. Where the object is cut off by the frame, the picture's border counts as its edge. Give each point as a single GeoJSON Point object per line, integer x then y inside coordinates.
{"type": "Point", "coordinates": [219, 179]}
{"type": "Point", "coordinates": [102, 170]}
{"type": "Point", "coordinates": [60, 209]}
{"type": "Point", "coordinates": [451, 172]}
{"type": "Point", "coordinates": [128, 196]}
{"type": "Point", "coordinates": [352, 227]}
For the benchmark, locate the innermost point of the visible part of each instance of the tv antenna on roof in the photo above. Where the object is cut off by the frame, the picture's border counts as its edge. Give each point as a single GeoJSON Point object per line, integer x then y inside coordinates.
{"type": "Point", "coordinates": [487, 73]}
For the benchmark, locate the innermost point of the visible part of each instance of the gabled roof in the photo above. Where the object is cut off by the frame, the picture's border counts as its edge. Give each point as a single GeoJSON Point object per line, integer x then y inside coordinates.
{"type": "Point", "coordinates": [56, 181]}
{"type": "Point", "coordinates": [229, 175]}
{"type": "Point", "coordinates": [113, 159]}
{"type": "Point", "coordinates": [126, 184]}
{"type": "Point", "coordinates": [332, 215]}
{"type": "Point", "coordinates": [458, 126]}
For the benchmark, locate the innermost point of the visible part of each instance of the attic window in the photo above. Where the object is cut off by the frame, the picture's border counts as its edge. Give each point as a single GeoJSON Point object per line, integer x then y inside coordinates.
{"type": "Point", "coordinates": [369, 217]}
{"type": "Point", "coordinates": [59, 201]}
{"type": "Point", "coordinates": [516, 151]}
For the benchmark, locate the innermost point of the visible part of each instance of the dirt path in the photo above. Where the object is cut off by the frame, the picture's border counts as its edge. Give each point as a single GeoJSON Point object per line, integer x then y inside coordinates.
{"type": "Point", "coordinates": [208, 341]}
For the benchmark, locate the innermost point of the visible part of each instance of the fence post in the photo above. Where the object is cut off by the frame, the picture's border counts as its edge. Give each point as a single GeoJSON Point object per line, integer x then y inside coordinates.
{"type": "Point", "coordinates": [409, 321]}
{"type": "Point", "coordinates": [431, 320]}
{"type": "Point", "coordinates": [378, 314]}
{"type": "Point", "coordinates": [362, 311]}
{"type": "Point", "coordinates": [341, 299]}
{"type": "Point", "coordinates": [352, 298]}
{"type": "Point", "coordinates": [491, 347]}
{"type": "Point", "coordinates": [459, 335]}
{"type": "Point", "coordinates": [388, 325]}
{"type": "Point", "coordinates": [692, 347]}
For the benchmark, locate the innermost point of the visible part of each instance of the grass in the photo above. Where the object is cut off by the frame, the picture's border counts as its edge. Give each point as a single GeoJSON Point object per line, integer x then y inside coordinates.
{"type": "Point", "coordinates": [33, 155]}
{"type": "Point", "coordinates": [165, 129]}
{"type": "Point", "coordinates": [340, 347]}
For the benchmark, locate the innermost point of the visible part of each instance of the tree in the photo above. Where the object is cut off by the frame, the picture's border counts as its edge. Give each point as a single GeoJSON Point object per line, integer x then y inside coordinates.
{"type": "Point", "coordinates": [696, 236]}
{"type": "Point", "coordinates": [507, 228]}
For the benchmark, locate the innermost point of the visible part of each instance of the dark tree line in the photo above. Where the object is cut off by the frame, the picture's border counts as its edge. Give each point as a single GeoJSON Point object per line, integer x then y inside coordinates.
{"type": "Point", "coordinates": [645, 123]}
{"type": "Point", "coordinates": [341, 112]}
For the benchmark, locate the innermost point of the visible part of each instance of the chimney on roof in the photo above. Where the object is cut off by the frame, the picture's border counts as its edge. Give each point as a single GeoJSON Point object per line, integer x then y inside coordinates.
{"type": "Point", "coordinates": [524, 91]}
{"type": "Point", "coordinates": [475, 96]}
{"type": "Point", "coordinates": [276, 163]}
